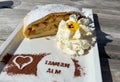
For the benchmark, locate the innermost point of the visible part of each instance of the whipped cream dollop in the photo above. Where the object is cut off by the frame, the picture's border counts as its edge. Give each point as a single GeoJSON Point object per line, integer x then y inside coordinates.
{"type": "Point", "coordinates": [75, 36]}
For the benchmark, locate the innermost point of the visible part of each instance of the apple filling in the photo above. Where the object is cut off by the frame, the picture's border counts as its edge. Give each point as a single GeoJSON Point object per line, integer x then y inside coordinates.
{"type": "Point", "coordinates": [47, 25]}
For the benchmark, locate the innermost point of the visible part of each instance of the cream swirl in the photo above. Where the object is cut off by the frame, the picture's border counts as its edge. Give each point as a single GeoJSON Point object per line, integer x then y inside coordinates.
{"type": "Point", "coordinates": [75, 36]}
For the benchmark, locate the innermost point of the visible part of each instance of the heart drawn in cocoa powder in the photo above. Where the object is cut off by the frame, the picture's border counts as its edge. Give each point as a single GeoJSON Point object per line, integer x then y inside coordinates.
{"type": "Point", "coordinates": [23, 64]}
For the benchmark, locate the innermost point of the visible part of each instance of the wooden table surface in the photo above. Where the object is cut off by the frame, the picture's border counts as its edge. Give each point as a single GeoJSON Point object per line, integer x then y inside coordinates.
{"type": "Point", "coordinates": [107, 21]}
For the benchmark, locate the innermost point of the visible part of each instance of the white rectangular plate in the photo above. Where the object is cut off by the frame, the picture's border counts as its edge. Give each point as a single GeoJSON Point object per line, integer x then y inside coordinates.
{"type": "Point", "coordinates": [17, 44]}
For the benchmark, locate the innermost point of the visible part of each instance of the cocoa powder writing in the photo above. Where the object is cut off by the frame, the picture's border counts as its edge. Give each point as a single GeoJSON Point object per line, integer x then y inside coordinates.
{"type": "Point", "coordinates": [29, 69]}
{"type": "Point", "coordinates": [32, 68]}
{"type": "Point", "coordinates": [77, 71]}
{"type": "Point", "coordinates": [59, 64]}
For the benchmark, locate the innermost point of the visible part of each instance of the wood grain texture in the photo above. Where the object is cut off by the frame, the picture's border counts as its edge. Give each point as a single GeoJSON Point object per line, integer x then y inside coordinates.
{"type": "Point", "coordinates": [107, 21]}
{"type": "Point", "coordinates": [110, 70]}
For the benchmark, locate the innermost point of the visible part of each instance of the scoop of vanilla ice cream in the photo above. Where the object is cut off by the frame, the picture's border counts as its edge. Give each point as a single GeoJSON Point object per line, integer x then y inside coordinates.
{"type": "Point", "coordinates": [72, 42]}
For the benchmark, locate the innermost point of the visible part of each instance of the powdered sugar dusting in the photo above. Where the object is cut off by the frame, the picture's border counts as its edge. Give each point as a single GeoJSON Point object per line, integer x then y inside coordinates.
{"type": "Point", "coordinates": [41, 11]}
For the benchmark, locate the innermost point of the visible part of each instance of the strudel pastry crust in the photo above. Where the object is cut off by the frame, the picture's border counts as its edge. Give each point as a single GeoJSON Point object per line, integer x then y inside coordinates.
{"type": "Point", "coordinates": [44, 21]}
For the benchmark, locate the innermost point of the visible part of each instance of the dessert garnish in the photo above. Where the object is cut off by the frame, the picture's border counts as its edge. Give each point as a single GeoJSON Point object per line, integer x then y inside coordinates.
{"type": "Point", "coordinates": [72, 26]}
{"type": "Point", "coordinates": [75, 36]}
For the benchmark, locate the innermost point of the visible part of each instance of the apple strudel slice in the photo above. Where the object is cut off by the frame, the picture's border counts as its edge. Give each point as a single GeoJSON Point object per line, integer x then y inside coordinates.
{"type": "Point", "coordinates": [44, 20]}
